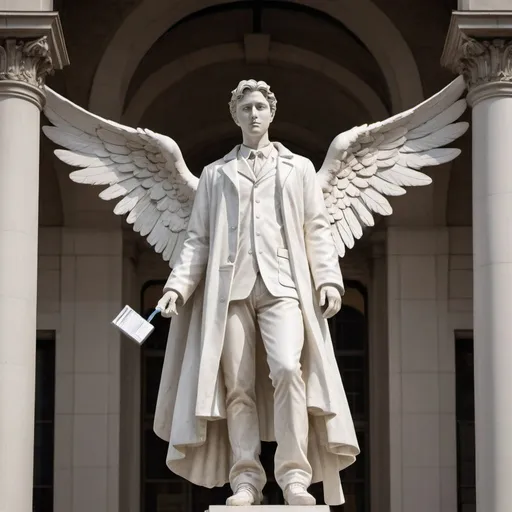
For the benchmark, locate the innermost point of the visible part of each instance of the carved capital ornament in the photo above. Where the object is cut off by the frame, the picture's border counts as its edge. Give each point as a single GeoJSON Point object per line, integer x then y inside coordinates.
{"type": "Point", "coordinates": [485, 61]}
{"type": "Point", "coordinates": [479, 46]}
{"type": "Point", "coordinates": [25, 61]}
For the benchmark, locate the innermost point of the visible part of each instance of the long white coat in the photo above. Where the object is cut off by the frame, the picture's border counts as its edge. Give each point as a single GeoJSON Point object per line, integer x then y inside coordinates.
{"type": "Point", "coordinates": [190, 412]}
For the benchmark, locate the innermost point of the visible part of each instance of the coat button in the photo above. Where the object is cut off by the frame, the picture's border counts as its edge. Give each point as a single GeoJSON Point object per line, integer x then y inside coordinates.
{"type": "Point", "coordinates": [231, 259]}
{"type": "Point", "coordinates": [250, 251]}
{"type": "Point", "coordinates": [257, 200]}
{"type": "Point", "coordinates": [233, 228]}
{"type": "Point", "coordinates": [222, 299]}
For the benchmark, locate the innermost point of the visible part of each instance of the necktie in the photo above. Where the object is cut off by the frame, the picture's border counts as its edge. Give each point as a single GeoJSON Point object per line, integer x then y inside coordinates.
{"type": "Point", "coordinates": [256, 158]}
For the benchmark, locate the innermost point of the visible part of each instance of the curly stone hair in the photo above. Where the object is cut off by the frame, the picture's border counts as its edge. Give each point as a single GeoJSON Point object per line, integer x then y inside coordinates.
{"type": "Point", "coordinates": [250, 86]}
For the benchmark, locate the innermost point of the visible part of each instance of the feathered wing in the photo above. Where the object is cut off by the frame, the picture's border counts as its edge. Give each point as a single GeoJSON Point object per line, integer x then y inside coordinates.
{"type": "Point", "coordinates": [370, 162]}
{"type": "Point", "coordinates": [146, 170]}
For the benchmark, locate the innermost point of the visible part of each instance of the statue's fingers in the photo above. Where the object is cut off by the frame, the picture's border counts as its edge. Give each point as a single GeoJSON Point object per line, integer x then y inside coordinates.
{"type": "Point", "coordinates": [322, 298]}
{"type": "Point", "coordinates": [329, 311]}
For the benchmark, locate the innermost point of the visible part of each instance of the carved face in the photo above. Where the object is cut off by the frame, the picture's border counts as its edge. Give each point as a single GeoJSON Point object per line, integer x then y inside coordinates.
{"type": "Point", "coordinates": [253, 113]}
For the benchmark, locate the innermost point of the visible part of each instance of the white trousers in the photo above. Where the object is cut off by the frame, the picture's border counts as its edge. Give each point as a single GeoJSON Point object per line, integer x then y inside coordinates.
{"type": "Point", "coordinates": [282, 330]}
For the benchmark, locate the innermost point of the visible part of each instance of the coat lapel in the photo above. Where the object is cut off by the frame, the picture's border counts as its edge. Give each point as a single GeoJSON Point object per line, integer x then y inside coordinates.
{"type": "Point", "coordinates": [284, 164]}
{"type": "Point", "coordinates": [230, 166]}
{"type": "Point", "coordinates": [244, 169]}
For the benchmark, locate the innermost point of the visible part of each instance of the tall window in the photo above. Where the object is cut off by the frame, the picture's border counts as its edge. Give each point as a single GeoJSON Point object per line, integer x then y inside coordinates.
{"type": "Point", "coordinates": [44, 422]}
{"type": "Point", "coordinates": [162, 491]}
{"type": "Point", "coordinates": [465, 416]}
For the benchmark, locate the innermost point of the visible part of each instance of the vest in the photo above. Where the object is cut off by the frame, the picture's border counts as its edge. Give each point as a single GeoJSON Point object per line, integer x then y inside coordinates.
{"type": "Point", "coordinates": [262, 243]}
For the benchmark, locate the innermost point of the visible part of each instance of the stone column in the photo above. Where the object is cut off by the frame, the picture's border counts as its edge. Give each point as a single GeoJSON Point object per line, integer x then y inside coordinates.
{"type": "Point", "coordinates": [479, 45]}
{"type": "Point", "coordinates": [24, 64]}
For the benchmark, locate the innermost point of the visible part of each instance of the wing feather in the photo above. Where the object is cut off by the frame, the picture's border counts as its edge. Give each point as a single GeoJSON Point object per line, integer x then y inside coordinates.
{"type": "Point", "coordinates": [403, 176]}
{"type": "Point", "coordinates": [146, 170]}
{"type": "Point", "coordinates": [450, 115]}
{"type": "Point", "coordinates": [95, 176]}
{"type": "Point", "coordinates": [369, 163]}
{"type": "Point", "coordinates": [436, 139]}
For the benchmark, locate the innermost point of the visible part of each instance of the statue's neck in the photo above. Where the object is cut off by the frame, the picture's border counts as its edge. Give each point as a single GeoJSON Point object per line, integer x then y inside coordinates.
{"type": "Point", "coordinates": [256, 142]}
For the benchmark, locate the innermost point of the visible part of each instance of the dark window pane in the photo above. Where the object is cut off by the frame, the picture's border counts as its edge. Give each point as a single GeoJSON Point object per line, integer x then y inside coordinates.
{"type": "Point", "coordinates": [466, 433]}
{"type": "Point", "coordinates": [44, 425]}
{"type": "Point", "coordinates": [352, 336]}
{"type": "Point", "coordinates": [468, 495]}
{"type": "Point", "coordinates": [465, 417]}
{"type": "Point", "coordinates": [348, 329]}
{"type": "Point", "coordinates": [155, 453]}
{"type": "Point", "coordinates": [165, 497]}
{"type": "Point", "coordinates": [45, 380]}
{"type": "Point", "coordinates": [158, 338]}
{"type": "Point", "coordinates": [467, 474]}
{"type": "Point", "coordinates": [202, 498]}
{"type": "Point", "coordinates": [348, 362]}
{"type": "Point", "coordinates": [43, 499]}
{"type": "Point", "coordinates": [43, 454]}
{"type": "Point", "coordinates": [152, 371]}
{"type": "Point", "coordinates": [354, 380]}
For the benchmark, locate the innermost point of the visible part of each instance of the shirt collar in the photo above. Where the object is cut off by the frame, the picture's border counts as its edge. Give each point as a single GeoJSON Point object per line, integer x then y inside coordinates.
{"type": "Point", "coordinates": [245, 151]}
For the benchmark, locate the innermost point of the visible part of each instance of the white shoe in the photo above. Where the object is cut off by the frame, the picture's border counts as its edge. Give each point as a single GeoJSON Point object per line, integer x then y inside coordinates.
{"type": "Point", "coordinates": [245, 495]}
{"type": "Point", "coordinates": [297, 494]}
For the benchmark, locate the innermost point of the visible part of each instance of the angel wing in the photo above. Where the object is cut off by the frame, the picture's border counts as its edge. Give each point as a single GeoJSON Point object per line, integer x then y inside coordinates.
{"type": "Point", "coordinates": [143, 168]}
{"type": "Point", "coordinates": [369, 162]}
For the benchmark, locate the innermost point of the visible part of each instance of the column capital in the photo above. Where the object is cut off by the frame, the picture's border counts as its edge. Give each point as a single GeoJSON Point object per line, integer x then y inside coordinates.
{"type": "Point", "coordinates": [31, 47]}
{"type": "Point", "coordinates": [479, 46]}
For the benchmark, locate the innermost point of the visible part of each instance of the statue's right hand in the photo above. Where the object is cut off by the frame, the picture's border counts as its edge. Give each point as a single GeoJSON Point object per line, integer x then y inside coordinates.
{"type": "Point", "coordinates": [167, 304]}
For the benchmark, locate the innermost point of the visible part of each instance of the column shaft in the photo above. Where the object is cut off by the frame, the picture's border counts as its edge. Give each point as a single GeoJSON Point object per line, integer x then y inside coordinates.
{"type": "Point", "coordinates": [19, 179]}
{"type": "Point", "coordinates": [492, 245]}
{"type": "Point", "coordinates": [479, 45]}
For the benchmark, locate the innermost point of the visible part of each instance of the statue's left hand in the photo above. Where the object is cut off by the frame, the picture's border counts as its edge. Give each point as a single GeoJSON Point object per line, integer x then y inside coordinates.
{"type": "Point", "coordinates": [331, 295]}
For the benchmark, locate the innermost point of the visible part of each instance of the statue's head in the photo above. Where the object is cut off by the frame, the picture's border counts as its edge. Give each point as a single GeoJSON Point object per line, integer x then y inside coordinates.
{"type": "Point", "coordinates": [253, 106]}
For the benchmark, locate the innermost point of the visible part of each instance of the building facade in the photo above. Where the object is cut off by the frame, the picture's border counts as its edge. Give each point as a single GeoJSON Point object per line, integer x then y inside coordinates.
{"type": "Point", "coordinates": [427, 287]}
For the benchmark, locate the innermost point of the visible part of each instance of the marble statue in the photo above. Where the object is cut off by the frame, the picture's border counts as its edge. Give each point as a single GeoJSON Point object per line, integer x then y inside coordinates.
{"type": "Point", "coordinates": [253, 245]}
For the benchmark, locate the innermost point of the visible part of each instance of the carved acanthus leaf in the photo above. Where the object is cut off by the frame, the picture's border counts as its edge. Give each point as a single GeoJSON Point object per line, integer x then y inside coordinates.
{"type": "Point", "coordinates": [485, 61]}
{"type": "Point", "coordinates": [26, 61]}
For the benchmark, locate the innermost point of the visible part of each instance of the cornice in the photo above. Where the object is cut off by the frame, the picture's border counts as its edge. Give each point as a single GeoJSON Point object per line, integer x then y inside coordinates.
{"type": "Point", "coordinates": [33, 26]}
{"type": "Point", "coordinates": [479, 46]}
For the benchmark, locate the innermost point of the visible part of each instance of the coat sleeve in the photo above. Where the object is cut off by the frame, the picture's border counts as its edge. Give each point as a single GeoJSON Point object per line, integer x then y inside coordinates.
{"type": "Point", "coordinates": [320, 248]}
{"type": "Point", "coordinates": [191, 264]}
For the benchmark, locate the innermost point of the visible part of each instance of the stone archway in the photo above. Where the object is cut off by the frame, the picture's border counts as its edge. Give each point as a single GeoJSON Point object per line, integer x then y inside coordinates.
{"type": "Point", "coordinates": [153, 17]}
{"type": "Point", "coordinates": [166, 76]}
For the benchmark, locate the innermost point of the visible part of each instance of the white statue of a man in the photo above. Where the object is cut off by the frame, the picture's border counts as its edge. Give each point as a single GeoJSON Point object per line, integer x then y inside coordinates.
{"type": "Point", "coordinates": [254, 246]}
{"type": "Point", "coordinates": [260, 233]}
